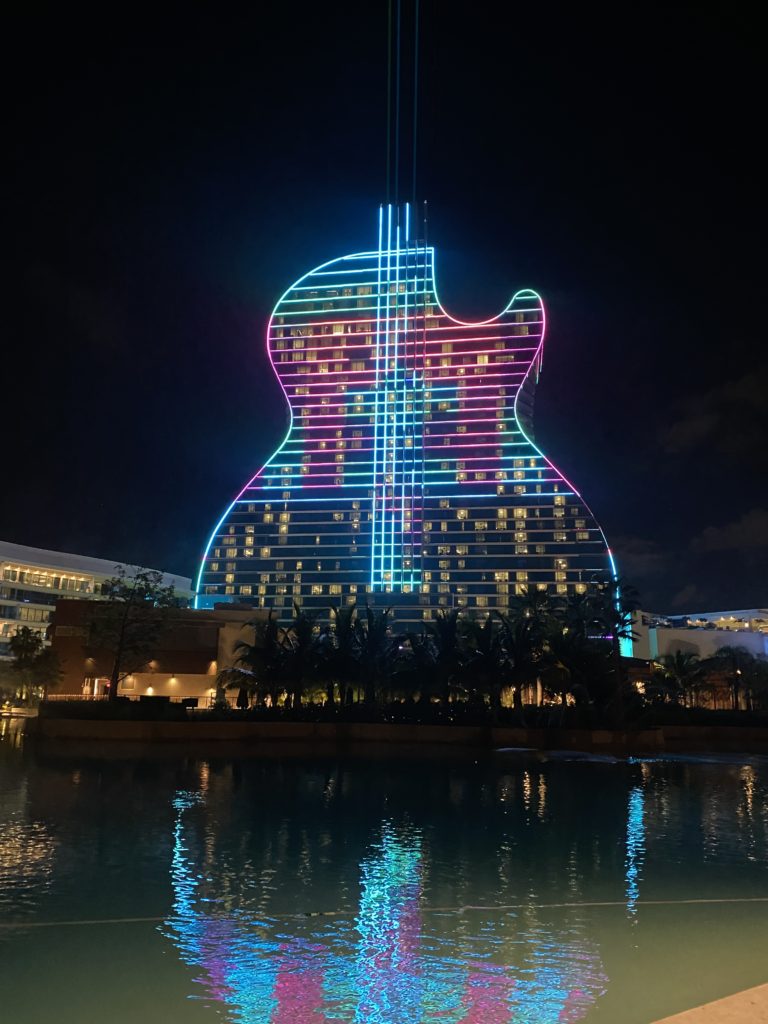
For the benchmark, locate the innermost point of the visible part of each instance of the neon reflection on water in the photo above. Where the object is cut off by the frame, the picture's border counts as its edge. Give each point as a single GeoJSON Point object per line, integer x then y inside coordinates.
{"type": "Point", "coordinates": [386, 968]}
{"type": "Point", "coordinates": [635, 847]}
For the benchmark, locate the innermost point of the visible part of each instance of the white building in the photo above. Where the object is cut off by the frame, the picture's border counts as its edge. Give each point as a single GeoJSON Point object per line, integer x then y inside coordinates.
{"type": "Point", "coordinates": [32, 580]}
{"type": "Point", "coordinates": [701, 633]}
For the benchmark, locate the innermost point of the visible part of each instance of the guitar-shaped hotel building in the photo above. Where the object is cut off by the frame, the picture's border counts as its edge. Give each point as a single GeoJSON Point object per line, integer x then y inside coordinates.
{"type": "Point", "coordinates": [409, 476]}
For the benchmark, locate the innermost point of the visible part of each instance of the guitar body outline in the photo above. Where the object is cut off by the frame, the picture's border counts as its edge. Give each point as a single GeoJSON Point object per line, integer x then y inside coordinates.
{"type": "Point", "coordinates": [409, 475]}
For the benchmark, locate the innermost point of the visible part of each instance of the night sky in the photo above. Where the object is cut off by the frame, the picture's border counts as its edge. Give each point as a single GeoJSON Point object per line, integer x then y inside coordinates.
{"type": "Point", "coordinates": [168, 178]}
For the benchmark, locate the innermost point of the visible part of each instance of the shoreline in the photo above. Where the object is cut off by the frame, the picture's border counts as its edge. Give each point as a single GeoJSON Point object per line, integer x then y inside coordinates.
{"type": "Point", "coordinates": [341, 737]}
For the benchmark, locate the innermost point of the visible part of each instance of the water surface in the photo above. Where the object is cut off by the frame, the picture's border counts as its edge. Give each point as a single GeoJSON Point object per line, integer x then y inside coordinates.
{"type": "Point", "coordinates": [319, 890]}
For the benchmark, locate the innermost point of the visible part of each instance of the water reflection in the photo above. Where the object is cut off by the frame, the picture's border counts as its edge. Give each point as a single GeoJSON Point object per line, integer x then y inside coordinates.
{"type": "Point", "coordinates": [392, 959]}
{"type": "Point", "coordinates": [635, 845]}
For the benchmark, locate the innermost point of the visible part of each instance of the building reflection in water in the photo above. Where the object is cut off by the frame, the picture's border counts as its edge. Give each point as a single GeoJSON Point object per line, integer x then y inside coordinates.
{"type": "Point", "coordinates": [635, 846]}
{"type": "Point", "coordinates": [397, 961]}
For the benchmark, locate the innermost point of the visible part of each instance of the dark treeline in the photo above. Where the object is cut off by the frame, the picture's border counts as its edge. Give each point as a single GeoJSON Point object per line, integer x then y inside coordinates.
{"type": "Point", "coordinates": [542, 650]}
{"type": "Point", "coordinates": [547, 660]}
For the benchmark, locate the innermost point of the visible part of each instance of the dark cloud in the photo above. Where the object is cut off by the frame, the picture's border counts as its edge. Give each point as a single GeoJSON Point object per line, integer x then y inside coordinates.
{"type": "Point", "coordinates": [747, 532]}
{"type": "Point", "coordinates": [730, 419]}
{"type": "Point", "coordinates": [687, 597]}
{"type": "Point", "coordinates": [639, 558]}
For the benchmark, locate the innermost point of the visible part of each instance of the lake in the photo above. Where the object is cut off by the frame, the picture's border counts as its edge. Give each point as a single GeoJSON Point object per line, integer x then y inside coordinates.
{"type": "Point", "coordinates": [508, 889]}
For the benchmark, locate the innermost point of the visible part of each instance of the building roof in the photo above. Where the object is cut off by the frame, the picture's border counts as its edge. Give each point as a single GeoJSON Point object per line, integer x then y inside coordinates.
{"type": "Point", "coordinates": [64, 560]}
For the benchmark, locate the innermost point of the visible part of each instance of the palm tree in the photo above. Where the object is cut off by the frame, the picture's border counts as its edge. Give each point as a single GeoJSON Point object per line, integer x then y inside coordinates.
{"type": "Point", "coordinates": [486, 669]}
{"type": "Point", "coordinates": [523, 634]}
{"type": "Point", "coordinates": [416, 669]}
{"type": "Point", "coordinates": [738, 664]}
{"type": "Point", "coordinates": [376, 652]}
{"type": "Point", "coordinates": [682, 673]}
{"type": "Point", "coordinates": [341, 656]}
{"type": "Point", "coordinates": [259, 667]}
{"type": "Point", "coordinates": [445, 634]}
{"type": "Point", "coordinates": [302, 655]}
{"type": "Point", "coordinates": [573, 663]}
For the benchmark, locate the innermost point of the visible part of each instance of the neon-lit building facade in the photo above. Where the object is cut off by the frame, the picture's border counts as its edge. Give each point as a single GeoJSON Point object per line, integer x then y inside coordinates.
{"type": "Point", "coordinates": [409, 475]}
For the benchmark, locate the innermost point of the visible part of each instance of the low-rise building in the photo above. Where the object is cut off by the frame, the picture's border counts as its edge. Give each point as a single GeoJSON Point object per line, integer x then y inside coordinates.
{"type": "Point", "coordinates": [193, 648]}
{"type": "Point", "coordinates": [33, 580]}
{"type": "Point", "coordinates": [702, 634]}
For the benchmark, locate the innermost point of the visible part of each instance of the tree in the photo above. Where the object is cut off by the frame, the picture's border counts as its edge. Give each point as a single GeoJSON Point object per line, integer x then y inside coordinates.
{"type": "Point", "coordinates": [446, 636]}
{"type": "Point", "coordinates": [738, 665]}
{"type": "Point", "coordinates": [486, 669]}
{"type": "Point", "coordinates": [47, 671]}
{"type": "Point", "coordinates": [128, 625]}
{"type": "Point", "coordinates": [259, 667]}
{"type": "Point", "coordinates": [522, 635]}
{"type": "Point", "coordinates": [340, 652]}
{"type": "Point", "coordinates": [682, 673]}
{"type": "Point", "coordinates": [25, 647]}
{"type": "Point", "coordinates": [376, 652]}
{"type": "Point", "coordinates": [613, 603]}
{"type": "Point", "coordinates": [302, 655]}
{"type": "Point", "coordinates": [34, 665]}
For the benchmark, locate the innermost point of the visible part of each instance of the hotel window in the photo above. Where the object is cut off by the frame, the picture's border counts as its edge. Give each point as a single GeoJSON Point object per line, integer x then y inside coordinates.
{"type": "Point", "coordinates": [444, 564]}
{"type": "Point", "coordinates": [521, 536]}
{"type": "Point", "coordinates": [214, 567]}
{"type": "Point", "coordinates": [560, 577]}
{"type": "Point", "coordinates": [445, 576]}
{"type": "Point", "coordinates": [521, 549]}
{"type": "Point", "coordinates": [582, 535]}
{"type": "Point", "coordinates": [501, 577]}
{"type": "Point", "coordinates": [561, 563]}
{"type": "Point", "coordinates": [580, 588]}
{"type": "Point", "coordinates": [268, 517]}
{"type": "Point", "coordinates": [559, 499]}
{"type": "Point", "coordinates": [520, 513]}
{"type": "Point", "coordinates": [462, 549]}
{"type": "Point", "coordinates": [481, 524]}
{"type": "Point", "coordinates": [265, 552]}
{"type": "Point", "coordinates": [229, 590]}
{"type": "Point", "coordinates": [317, 588]}
{"type": "Point", "coordinates": [521, 576]}
{"type": "Point", "coordinates": [561, 588]}
{"type": "Point", "coordinates": [462, 513]}
{"type": "Point", "coordinates": [559, 513]}
{"type": "Point", "coordinates": [246, 589]}
{"type": "Point", "coordinates": [334, 588]}
{"type": "Point", "coordinates": [521, 589]}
